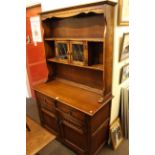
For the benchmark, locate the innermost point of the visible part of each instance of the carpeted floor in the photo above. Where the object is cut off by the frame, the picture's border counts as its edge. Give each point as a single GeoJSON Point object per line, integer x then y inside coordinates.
{"type": "Point", "coordinates": [56, 148]}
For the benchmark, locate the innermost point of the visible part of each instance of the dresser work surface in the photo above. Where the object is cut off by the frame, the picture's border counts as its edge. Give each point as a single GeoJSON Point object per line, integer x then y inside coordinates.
{"type": "Point", "coordinates": [78, 98]}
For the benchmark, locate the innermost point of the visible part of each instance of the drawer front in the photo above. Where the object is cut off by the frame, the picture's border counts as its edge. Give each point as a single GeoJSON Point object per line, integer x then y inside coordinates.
{"type": "Point", "coordinates": [46, 102]}
{"type": "Point", "coordinates": [73, 113]}
{"type": "Point", "coordinates": [102, 115]}
{"type": "Point", "coordinates": [67, 117]}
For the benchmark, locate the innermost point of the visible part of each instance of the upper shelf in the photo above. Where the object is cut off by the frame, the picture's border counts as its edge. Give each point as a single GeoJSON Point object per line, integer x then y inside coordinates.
{"type": "Point", "coordinates": [76, 39]}
{"type": "Point", "coordinates": [98, 67]}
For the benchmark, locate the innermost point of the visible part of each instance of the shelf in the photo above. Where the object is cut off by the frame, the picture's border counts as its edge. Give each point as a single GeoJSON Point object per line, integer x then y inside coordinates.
{"type": "Point", "coordinates": [76, 39]}
{"type": "Point", "coordinates": [98, 67]}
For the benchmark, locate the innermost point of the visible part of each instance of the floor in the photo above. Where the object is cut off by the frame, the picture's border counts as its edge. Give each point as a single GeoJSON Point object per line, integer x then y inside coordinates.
{"type": "Point", "coordinates": [36, 137]}
{"type": "Point", "coordinates": [56, 148]}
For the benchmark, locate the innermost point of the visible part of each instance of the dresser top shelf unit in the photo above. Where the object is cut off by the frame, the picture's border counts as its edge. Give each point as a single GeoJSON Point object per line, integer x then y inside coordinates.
{"type": "Point", "coordinates": [68, 32]}
{"type": "Point", "coordinates": [85, 101]}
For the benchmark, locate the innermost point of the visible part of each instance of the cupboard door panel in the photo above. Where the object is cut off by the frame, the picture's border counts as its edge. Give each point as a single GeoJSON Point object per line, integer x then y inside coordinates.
{"type": "Point", "coordinates": [79, 52]}
{"type": "Point", "coordinates": [100, 137]}
{"type": "Point", "coordinates": [62, 50]}
{"type": "Point", "coordinates": [74, 136]}
{"type": "Point", "coordinates": [49, 120]}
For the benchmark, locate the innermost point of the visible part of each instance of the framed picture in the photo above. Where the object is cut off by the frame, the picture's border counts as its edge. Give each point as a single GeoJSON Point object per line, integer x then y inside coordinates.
{"type": "Point", "coordinates": [116, 133]}
{"type": "Point", "coordinates": [123, 12]}
{"type": "Point", "coordinates": [124, 50]}
{"type": "Point", "coordinates": [124, 74]}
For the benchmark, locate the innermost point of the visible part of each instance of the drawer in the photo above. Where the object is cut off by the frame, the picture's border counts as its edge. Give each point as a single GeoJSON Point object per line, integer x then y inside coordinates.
{"type": "Point", "coordinates": [101, 116]}
{"type": "Point", "coordinates": [68, 118]}
{"type": "Point", "coordinates": [46, 102]}
{"type": "Point", "coordinates": [70, 112]}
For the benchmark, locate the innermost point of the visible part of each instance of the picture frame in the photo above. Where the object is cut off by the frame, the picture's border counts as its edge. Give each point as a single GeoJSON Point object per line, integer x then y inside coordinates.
{"type": "Point", "coordinates": [116, 133]}
{"type": "Point", "coordinates": [124, 50]}
{"type": "Point", "coordinates": [123, 12]}
{"type": "Point", "coordinates": [124, 74]}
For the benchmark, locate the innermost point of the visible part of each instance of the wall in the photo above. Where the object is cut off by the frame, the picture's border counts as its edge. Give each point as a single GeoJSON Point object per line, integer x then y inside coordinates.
{"type": "Point", "coordinates": [118, 33]}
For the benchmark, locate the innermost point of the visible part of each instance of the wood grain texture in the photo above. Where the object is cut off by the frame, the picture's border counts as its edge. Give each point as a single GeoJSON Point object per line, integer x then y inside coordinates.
{"type": "Point", "coordinates": [61, 118]}
{"type": "Point", "coordinates": [69, 101]}
{"type": "Point", "coordinates": [91, 78]}
{"type": "Point", "coordinates": [108, 57]}
{"type": "Point", "coordinates": [78, 98]}
{"type": "Point", "coordinates": [93, 67]}
{"type": "Point", "coordinates": [36, 138]}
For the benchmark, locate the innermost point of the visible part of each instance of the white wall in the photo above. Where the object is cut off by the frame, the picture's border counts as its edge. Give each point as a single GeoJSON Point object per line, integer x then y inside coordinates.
{"type": "Point", "coordinates": [118, 33]}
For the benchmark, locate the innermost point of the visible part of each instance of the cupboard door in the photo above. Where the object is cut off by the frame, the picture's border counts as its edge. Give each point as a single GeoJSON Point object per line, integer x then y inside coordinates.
{"type": "Point", "coordinates": [62, 50]}
{"type": "Point", "coordinates": [99, 138]}
{"type": "Point", "coordinates": [79, 53]}
{"type": "Point", "coordinates": [49, 121]}
{"type": "Point", "coordinates": [73, 136]}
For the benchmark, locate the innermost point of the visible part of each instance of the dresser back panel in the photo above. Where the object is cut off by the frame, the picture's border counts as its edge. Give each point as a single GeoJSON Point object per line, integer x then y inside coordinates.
{"type": "Point", "coordinates": [91, 78]}
{"type": "Point", "coordinates": [83, 25]}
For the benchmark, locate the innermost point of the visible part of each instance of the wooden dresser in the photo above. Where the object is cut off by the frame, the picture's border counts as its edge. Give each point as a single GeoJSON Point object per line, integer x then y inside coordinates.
{"type": "Point", "coordinates": [75, 102]}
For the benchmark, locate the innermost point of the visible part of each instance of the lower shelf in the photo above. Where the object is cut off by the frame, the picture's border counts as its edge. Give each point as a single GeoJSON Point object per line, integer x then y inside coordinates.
{"type": "Point", "coordinates": [98, 67]}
